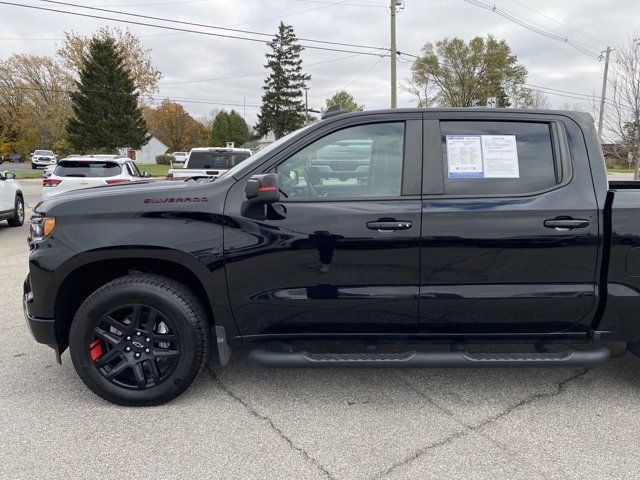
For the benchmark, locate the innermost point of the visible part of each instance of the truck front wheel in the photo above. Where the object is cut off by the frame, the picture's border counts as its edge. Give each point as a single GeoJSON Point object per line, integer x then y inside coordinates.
{"type": "Point", "coordinates": [139, 340]}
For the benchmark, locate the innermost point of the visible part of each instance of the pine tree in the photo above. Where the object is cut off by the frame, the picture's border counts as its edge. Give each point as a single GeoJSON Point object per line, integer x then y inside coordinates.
{"type": "Point", "coordinates": [238, 129]}
{"type": "Point", "coordinates": [229, 127]}
{"type": "Point", "coordinates": [106, 114]}
{"type": "Point", "coordinates": [283, 108]}
{"type": "Point", "coordinates": [219, 130]}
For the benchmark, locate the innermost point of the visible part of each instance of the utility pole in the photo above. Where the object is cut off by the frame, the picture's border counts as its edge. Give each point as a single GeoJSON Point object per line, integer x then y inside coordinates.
{"type": "Point", "coordinates": [394, 98]}
{"type": "Point", "coordinates": [306, 106]}
{"type": "Point", "coordinates": [604, 92]}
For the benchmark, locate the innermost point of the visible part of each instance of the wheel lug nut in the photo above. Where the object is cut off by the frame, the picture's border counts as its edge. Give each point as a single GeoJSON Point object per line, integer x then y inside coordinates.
{"type": "Point", "coordinates": [147, 339]}
{"type": "Point", "coordinates": [146, 350]}
{"type": "Point", "coordinates": [128, 338]}
{"type": "Point", "coordinates": [138, 333]}
{"type": "Point", "coordinates": [137, 355]}
{"type": "Point", "coordinates": [128, 349]}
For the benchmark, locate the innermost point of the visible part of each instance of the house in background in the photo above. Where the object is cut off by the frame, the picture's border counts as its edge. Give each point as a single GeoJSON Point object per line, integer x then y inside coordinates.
{"type": "Point", "coordinates": [257, 145]}
{"type": "Point", "coordinates": [147, 154]}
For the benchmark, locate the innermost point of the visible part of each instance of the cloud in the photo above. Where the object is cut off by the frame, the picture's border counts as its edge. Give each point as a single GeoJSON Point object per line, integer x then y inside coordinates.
{"type": "Point", "coordinates": [189, 57]}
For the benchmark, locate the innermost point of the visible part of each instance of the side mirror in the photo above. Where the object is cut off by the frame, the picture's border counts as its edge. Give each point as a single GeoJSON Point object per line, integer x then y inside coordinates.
{"type": "Point", "coordinates": [262, 189]}
{"type": "Point", "coordinates": [146, 174]}
{"type": "Point", "coordinates": [9, 176]}
{"type": "Point", "coordinates": [31, 154]}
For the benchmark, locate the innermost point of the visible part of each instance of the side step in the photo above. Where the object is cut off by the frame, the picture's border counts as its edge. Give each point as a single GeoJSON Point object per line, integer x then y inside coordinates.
{"type": "Point", "coordinates": [413, 359]}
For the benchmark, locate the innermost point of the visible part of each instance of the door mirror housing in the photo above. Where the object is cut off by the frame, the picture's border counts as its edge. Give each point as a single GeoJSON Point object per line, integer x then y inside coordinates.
{"type": "Point", "coordinates": [262, 189]}
{"type": "Point", "coordinates": [7, 176]}
{"type": "Point", "coordinates": [146, 174]}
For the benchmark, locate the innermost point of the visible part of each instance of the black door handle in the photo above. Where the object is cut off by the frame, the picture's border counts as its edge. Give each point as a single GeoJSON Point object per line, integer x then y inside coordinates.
{"type": "Point", "coordinates": [389, 225]}
{"type": "Point", "coordinates": [566, 223]}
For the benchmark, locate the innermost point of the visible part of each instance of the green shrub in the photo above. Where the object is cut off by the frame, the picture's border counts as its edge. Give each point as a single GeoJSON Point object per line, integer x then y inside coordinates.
{"type": "Point", "coordinates": [164, 159]}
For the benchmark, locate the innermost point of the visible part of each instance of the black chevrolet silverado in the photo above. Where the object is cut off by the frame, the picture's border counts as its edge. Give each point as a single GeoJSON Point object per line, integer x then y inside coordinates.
{"type": "Point", "coordinates": [470, 226]}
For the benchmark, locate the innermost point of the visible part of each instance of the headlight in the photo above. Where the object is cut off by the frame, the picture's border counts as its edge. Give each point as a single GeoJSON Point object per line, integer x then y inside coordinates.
{"type": "Point", "coordinates": [40, 228]}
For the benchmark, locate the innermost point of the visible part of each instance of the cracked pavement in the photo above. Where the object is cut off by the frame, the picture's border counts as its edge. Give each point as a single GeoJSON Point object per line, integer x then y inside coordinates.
{"type": "Point", "coordinates": [247, 422]}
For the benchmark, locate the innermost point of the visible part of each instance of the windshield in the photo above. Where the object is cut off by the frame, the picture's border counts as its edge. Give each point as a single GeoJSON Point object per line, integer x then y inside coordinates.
{"type": "Point", "coordinates": [216, 159]}
{"type": "Point", "coordinates": [43, 152]}
{"type": "Point", "coordinates": [70, 168]}
{"type": "Point", "coordinates": [257, 157]}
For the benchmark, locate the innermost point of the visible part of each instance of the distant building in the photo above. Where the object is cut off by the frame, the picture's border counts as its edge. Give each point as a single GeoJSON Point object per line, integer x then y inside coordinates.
{"type": "Point", "coordinates": [257, 145]}
{"type": "Point", "coordinates": [147, 154]}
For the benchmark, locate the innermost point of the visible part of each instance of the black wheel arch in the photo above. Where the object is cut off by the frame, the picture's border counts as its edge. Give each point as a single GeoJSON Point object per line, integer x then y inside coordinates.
{"type": "Point", "coordinates": [89, 271]}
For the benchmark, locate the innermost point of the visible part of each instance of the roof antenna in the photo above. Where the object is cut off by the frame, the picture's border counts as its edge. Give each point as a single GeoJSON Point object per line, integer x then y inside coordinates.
{"type": "Point", "coordinates": [332, 111]}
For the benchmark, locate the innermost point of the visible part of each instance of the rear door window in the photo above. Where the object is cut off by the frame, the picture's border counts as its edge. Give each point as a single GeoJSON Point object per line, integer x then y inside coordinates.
{"type": "Point", "coordinates": [493, 158]}
{"type": "Point", "coordinates": [95, 169]}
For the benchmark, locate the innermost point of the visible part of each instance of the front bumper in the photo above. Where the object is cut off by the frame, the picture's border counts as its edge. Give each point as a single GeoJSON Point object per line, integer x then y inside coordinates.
{"type": "Point", "coordinates": [43, 330]}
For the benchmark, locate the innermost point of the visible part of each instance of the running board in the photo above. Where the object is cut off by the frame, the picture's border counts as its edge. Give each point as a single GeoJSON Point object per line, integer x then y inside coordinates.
{"type": "Point", "coordinates": [413, 359]}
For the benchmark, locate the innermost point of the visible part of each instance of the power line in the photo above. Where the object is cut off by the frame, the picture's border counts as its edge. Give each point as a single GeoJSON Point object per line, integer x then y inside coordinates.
{"type": "Point", "coordinates": [210, 101]}
{"type": "Point", "coordinates": [534, 28]}
{"type": "Point", "coordinates": [556, 21]}
{"type": "Point", "coordinates": [259, 20]}
{"type": "Point", "coordinates": [242, 75]}
{"type": "Point", "coordinates": [362, 74]}
{"type": "Point", "coordinates": [346, 4]}
{"type": "Point", "coordinates": [177, 29]}
{"type": "Point", "coordinates": [203, 25]}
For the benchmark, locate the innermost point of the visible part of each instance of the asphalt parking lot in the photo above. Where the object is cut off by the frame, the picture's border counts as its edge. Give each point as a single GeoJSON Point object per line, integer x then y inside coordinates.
{"type": "Point", "coordinates": [245, 422]}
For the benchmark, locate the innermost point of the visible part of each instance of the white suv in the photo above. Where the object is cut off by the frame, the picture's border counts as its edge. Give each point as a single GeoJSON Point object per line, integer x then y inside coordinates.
{"type": "Point", "coordinates": [83, 172]}
{"type": "Point", "coordinates": [42, 158]}
{"type": "Point", "coordinates": [11, 200]}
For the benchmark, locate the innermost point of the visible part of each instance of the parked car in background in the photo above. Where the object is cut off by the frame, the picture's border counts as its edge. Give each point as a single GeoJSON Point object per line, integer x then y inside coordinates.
{"type": "Point", "coordinates": [180, 157]}
{"type": "Point", "coordinates": [210, 162]}
{"type": "Point", "coordinates": [42, 158]}
{"type": "Point", "coordinates": [11, 200]}
{"type": "Point", "coordinates": [16, 158]}
{"type": "Point", "coordinates": [74, 173]}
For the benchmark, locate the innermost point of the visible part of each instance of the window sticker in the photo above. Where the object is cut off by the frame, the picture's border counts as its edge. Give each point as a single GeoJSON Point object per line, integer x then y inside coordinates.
{"type": "Point", "coordinates": [500, 156]}
{"type": "Point", "coordinates": [482, 156]}
{"type": "Point", "coordinates": [464, 155]}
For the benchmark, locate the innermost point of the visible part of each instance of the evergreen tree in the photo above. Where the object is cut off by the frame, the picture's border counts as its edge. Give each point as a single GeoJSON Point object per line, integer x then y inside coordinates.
{"type": "Point", "coordinates": [238, 129]}
{"type": "Point", "coordinates": [229, 127]}
{"type": "Point", "coordinates": [106, 114]}
{"type": "Point", "coordinates": [283, 108]}
{"type": "Point", "coordinates": [219, 130]}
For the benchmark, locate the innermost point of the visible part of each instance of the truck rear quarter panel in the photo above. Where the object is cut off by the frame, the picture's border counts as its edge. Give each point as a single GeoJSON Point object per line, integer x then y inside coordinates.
{"type": "Point", "coordinates": [620, 318]}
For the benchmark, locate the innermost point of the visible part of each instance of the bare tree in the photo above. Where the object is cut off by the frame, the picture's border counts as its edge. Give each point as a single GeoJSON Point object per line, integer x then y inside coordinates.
{"type": "Point", "coordinates": [423, 91]}
{"type": "Point", "coordinates": [540, 100]}
{"type": "Point", "coordinates": [622, 114]}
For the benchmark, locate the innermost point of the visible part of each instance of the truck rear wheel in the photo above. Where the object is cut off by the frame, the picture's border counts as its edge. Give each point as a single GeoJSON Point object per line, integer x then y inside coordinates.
{"type": "Point", "coordinates": [139, 340]}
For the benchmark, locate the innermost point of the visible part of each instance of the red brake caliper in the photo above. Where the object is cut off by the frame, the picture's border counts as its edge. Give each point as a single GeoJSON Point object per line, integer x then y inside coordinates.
{"type": "Point", "coordinates": [95, 349]}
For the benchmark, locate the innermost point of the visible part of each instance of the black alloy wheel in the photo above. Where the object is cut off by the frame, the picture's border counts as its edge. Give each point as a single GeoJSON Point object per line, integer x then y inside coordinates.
{"type": "Point", "coordinates": [140, 340]}
{"type": "Point", "coordinates": [135, 346]}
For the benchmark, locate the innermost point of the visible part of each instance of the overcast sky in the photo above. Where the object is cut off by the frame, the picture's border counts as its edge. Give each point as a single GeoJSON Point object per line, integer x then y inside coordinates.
{"type": "Point", "coordinates": [187, 57]}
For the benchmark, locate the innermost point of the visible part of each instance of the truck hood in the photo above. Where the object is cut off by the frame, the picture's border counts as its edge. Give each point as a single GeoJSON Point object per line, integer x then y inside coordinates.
{"type": "Point", "coordinates": [126, 196]}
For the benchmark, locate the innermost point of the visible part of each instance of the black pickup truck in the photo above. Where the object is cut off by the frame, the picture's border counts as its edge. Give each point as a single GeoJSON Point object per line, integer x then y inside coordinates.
{"type": "Point", "coordinates": [470, 226]}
